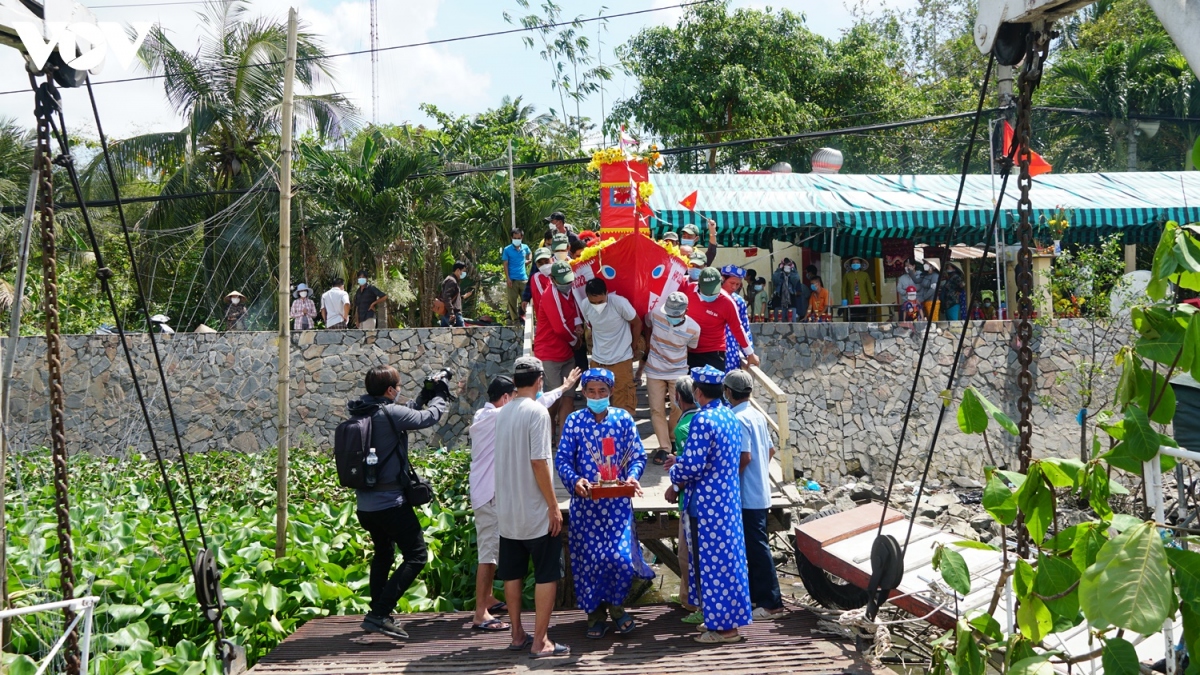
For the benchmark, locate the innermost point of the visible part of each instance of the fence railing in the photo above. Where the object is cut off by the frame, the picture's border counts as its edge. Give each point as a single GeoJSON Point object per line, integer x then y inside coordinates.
{"type": "Point", "coordinates": [779, 424]}
{"type": "Point", "coordinates": [83, 614]}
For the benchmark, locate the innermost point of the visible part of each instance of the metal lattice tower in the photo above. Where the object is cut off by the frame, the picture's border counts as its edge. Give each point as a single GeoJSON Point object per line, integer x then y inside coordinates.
{"type": "Point", "coordinates": [374, 62]}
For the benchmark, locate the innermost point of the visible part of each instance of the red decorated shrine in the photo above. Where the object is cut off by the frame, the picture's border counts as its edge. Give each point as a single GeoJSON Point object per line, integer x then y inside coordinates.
{"type": "Point", "coordinates": [620, 212]}
{"type": "Point", "coordinates": [634, 267]}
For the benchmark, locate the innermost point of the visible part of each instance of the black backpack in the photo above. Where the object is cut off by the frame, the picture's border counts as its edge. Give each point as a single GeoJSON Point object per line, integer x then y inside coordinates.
{"type": "Point", "coordinates": [351, 445]}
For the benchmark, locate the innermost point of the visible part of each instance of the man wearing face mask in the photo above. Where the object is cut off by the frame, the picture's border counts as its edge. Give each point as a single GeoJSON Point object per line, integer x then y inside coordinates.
{"type": "Point", "coordinates": [452, 295]}
{"type": "Point", "coordinates": [696, 264]}
{"type": "Point", "coordinates": [788, 293]}
{"type": "Point", "coordinates": [335, 305]}
{"type": "Point", "coordinates": [616, 332]}
{"type": "Point", "coordinates": [235, 314]}
{"type": "Point", "coordinates": [715, 312]}
{"type": "Point", "coordinates": [559, 331]}
{"type": "Point", "coordinates": [383, 513]}
{"type": "Point", "coordinates": [928, 288]}
{"type": "Point", "coordinates": [558, 223]}
{"type": "Point", "coordinates": [539, 281]}
{"type": "Point", "coordinates": [671, 334]}
{"type": "Point", "coordinates": [689, 239]}
{"type": "Point", "coordinates": [562, 248]}
{"type": "Point", "coordinates": [858, 289]}
{"type": "Point", "coordinates": [365, 299]}
{"type": "Point", "coordinates": [515, 257]}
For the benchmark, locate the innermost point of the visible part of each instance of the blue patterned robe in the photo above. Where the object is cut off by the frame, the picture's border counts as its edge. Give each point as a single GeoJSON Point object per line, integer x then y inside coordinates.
{"type": "Point", "coordinates": [733, 351]}
{"type": "Point", "coordinates": [605, 554]}
{"type": "Point", "coordinates": [708, 470]}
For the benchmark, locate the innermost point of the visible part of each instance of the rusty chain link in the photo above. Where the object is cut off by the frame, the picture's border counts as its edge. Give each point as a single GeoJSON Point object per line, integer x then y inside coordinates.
{"type": "Point", "coordinates": [1030, 77]}
{"type": "Point", "coordinates": [58, 438]}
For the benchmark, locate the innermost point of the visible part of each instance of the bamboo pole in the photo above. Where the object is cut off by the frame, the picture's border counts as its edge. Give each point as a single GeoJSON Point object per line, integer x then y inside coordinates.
{"type": "Point", "coordinates": [285, 283]}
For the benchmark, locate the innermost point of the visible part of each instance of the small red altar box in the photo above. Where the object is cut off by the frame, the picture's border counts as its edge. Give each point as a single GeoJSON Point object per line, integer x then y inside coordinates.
{"type": "Point", "coordinates": [611, 491]}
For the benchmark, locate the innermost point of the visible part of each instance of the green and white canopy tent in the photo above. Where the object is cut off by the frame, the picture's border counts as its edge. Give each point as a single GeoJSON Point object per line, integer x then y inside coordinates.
{"type": "Point", "coordinates": [859, 211]}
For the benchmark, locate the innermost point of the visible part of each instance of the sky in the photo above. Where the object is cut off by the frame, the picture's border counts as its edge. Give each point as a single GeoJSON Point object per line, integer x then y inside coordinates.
{"type": "Point", "coordinates": [460, 77]}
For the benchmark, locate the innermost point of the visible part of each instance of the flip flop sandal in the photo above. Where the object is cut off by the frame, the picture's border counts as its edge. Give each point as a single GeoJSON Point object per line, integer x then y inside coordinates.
{"type": "Point", "coordinates": [695, 618]}
{"type": "Point", "coordinates": [559, 650]}
{"type": "Point", "coordinates": [524, 646]}
{"type": "Point", "coordinates": [491, 625]}
{"type": "Point", "coordinates": [597, 631]}
{"type": "Point", "coordinates": [498, 607]}
{"type": "Point", "coordinates": [660, 457]}
{"type": "Point", "coordinates": [712, 637]}
{"type": "Point", "coordinates": [625, 624]}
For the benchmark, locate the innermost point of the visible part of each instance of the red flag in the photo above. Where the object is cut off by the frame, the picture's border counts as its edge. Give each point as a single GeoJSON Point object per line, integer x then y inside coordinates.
{"type": "Point", "coordinates": [1037, 165]}
{"type": "Point", "coordinates": [689, 202]}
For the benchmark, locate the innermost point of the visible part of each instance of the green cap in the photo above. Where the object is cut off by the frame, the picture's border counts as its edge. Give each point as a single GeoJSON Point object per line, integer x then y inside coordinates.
{"type": "Point", "coordinates": [710, 281]}
{"type": "Point", "coordinates": [542, 253]}
{"type": "Point", "coordinates": [698, 259]}
{"type": "Point", "coordinates": [561, 273]}
{"type": "Point", "coordinates": [691, 229]}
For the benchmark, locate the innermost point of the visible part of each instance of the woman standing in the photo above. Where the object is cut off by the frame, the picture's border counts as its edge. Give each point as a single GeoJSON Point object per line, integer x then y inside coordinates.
{"type": "Point", "coordinates": [605, 554]}
{"type": "Point", "coordinates": [304, 310]}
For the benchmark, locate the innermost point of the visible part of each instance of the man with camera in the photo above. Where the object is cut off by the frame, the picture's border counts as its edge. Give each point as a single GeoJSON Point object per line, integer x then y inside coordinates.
{"type": "Point", "coordinates": [386, 512]}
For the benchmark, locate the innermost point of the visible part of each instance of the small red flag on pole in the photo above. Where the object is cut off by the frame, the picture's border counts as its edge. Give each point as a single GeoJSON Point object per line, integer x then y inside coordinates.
{"type": "Point", "coordinates": [689, 202]}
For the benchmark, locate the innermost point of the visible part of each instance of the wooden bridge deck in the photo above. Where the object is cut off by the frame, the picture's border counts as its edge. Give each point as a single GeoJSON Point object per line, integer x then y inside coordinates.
{"type": "Point", "coordinates": [444, 644]}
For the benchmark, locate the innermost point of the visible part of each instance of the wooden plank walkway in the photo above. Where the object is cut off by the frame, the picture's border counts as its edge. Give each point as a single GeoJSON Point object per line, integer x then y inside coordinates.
{"type": "Point", "coordinates": [444, 643]}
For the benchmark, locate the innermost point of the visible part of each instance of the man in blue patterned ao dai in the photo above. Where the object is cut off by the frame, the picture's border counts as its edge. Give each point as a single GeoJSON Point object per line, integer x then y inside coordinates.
{"type": "Point", "coordinates": [708, 472]}
{"type": "Point", "coordinates": [605, 555]}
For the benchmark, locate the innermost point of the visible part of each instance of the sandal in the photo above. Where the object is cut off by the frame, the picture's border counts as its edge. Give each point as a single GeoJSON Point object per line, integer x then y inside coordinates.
{"type": "Point", "coordinates": [695, 618]}
{"type": "Point", "coordinates": [712, 637]}
{"type": "Point", "coordinates": [524, 646]}
{"type": "Point", "coordinates": [491, 625]}
{"type": "Point", "coordinates": [660, 456]}
{"type": "Point", "coordinates": [625, 624]}
{"type": "Point", "coordinates": [498, 607]}
{"type": "Point", "coordinates": [597, 630]}
{"type": "Point", "coordinates": [558, 650]}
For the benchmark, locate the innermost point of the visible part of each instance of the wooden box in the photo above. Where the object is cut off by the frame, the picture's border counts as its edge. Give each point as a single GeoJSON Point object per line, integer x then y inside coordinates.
{"type": "Point", "coordinates": [611, 491]}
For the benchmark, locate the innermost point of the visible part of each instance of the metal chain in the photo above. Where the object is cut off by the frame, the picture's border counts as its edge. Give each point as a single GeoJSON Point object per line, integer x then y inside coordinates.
{"type": "Point", "coordinates": [1031, 76]}
{"type": "Point", "coordinates": [58, 438]}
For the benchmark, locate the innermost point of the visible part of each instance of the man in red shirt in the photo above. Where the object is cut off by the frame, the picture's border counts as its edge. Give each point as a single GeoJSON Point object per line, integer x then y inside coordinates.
{"type": "Point", "coordinates": [540, 281]}
{"type": "Point", "coordinates": [714, 310]}
{"type": "Point", "coordinates": [559, 330]}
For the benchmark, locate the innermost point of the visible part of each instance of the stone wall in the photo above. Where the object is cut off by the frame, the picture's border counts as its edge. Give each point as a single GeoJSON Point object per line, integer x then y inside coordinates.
{"type": "Point", "coordinates": [848, 386]}
{"type": "Point", "coordinates": [223, 384]}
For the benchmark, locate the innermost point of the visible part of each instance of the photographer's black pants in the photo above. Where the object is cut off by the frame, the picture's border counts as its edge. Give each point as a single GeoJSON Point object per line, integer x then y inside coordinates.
{"type": "Point", "coordinates": [390, 529]}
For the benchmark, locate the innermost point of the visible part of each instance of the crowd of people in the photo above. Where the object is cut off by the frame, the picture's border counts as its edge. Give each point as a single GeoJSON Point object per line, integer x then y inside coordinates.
{"type": "Point", "coordinates": [715, 447]}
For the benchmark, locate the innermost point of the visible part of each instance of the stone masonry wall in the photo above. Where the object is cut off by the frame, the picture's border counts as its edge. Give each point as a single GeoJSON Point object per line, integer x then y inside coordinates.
{"type": "Point", "coordinates": [223, 385]}
{"type": "Point", "coordinates": [848, 386]}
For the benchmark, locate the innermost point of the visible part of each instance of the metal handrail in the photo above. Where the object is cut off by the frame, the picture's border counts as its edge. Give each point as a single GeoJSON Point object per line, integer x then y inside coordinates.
{"type": "Point", "coordinates": [87, 604]}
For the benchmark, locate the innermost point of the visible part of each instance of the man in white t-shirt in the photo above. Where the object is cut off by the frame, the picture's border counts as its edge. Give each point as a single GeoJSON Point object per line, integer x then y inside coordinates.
{"type": "Point", "coordinates": [671, 334]}
{"type": "Point", "coordinates": [616, 329]}
{"type": "Point", "coordinates": [501, 391]}
{"type": "Point", "coordinates": [530, 520]}
{"type": "Point", "coordinates": [335, 305]}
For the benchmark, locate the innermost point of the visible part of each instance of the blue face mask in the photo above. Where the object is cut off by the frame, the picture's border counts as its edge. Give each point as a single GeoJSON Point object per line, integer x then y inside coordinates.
{"type": "Point", "coordinates": [708, 298]}
{"type": "Point", "coordinates": [856, 266]}
{"type": "Point", "coordinates": [694, 273]}
{"type": "Point", "coordinates": [813, 286]}
{"type": "Point", "coordinates": [598, 405]}
{"type": "Point", "coordinates": [516, 243]}
{"type": "Point", "coordinates": [676, 320]}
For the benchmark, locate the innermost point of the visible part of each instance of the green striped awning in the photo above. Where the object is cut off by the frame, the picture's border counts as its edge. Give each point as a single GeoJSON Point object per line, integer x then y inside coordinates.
{"type": "Point", "coordinates": [858, 211]}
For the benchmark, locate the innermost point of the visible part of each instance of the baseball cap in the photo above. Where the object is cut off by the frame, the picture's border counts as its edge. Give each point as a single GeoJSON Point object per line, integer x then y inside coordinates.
{"type": "Point", "coordinates": [698, 259]}
{"type": "Point", "coordinates": [710, 281]}
{"type": "Point", "coordinates": [739, 381]}
{"type": "Point", "coordinates": [670, 236]}
{"type": "Point", "coordinates": [558, 215]}
{"type": "Point", "coordinates": [561, 273]}
{"type": "Point", "coordinates": [499, 386]}
{"type": "Point", "coordinates": [542, 253]}
{"type": "Point", "coordinates": [526, 364]}
{"type": "Point", "coordinates": [690, 229]}
{"type": "Point", "coordinates": [677, 304]}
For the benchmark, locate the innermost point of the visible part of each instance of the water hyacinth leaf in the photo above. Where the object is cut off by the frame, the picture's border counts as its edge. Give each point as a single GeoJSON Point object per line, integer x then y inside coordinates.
{"type": "Point", "coordinates": [20, 664]}
{"type": "Point", "coordinates": [1120, 658]}
{"type": "Point", "coordinates": [1129, 586]}
{"type": "Point", "coordinates": [954, 571]}
{"type": "Point", "coordinates": [999, 501]}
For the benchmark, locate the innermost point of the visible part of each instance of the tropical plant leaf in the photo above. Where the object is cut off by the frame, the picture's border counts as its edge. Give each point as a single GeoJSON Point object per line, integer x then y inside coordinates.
{"type": "Point", "coordinates": [1191, 635]}
{"type": "Point", "coordinates": [966, 655]}
{"type": "Point", "coordinates": [1120, 658]}
{"type": "Point", "coordinates": [1129, 586]}
{"type": "Point", "coordinates": [1141, 440]}
{"type": "Point", "coordinates": [1087, 545]}
{"type": "Point", "coordinates": [972, 418]}
{"type": "Point", "coordinates": [1058, 577]}
{"type": "Point", "coordinates": [954, 571]}
{"type": "Point", "coordinates": [978, 545]}
{"type": "Point", "coordinates": [1034, 619]}
{"type": "Point", "coordinates": [986, 624]}
{"type": "Point", "coordinates": [1036, 502]}
{"type": "Point", "coordinates": [1060, 472]}
{"type": "Point", "coordinates": [1186, 565]}
{"type": "Point", "coordinates": [999, 501]}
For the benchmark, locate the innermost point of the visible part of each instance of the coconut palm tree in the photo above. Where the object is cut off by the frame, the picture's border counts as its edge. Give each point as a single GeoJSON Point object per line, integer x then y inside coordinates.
{"type": "Point", "coordinates": [230, 93]}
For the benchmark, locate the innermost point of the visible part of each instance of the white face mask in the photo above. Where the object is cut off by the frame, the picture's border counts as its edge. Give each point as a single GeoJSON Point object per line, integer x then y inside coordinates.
{"type": "Point", "coordinates": [600, 306]}
{"type": "Point", "coordinates": [563, 256]}
{"type": "Point", "coordinates": [545, 269]}
{"type": "Point", "coordinates": [362, 281]}
{"type": "Point", "coordinates": [304, 294]}
{"type": "Point", "coordinates": [235, 300]}
{"type": "Point", "coordinates": [462, 275]}
{"type": "Point", "coordinates": [929, 268]}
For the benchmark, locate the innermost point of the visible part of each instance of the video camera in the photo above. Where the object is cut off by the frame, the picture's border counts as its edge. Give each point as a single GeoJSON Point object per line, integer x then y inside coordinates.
{"type": "Point", "coordinates": [437, 384]}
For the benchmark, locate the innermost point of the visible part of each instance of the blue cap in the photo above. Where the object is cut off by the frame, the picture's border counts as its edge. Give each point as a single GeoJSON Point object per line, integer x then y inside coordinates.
{"type": "Point", "coordinates": [598, 374]}
{"type": "Point", "coordinates": [708, 375]}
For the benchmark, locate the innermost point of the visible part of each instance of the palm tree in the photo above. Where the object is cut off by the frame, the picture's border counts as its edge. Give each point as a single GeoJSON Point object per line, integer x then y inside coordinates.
{"type": "Point", "coordinates": [1127, 78]}
{"type": "Point", "coordinates": [230, 93]}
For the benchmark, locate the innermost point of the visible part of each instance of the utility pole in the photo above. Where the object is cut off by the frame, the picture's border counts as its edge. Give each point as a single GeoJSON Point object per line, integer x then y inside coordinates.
{"type": "Point", "coordinates": [374, 62]}
{"type": "Point", "coordinates": [512, 187]}
{"type": "Point", "coordinates": [285, 284]}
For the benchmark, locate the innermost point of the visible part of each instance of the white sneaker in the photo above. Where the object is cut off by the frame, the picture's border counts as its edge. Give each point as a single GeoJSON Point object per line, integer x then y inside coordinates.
{"type": "Point", "coordinates": [763, 614]}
